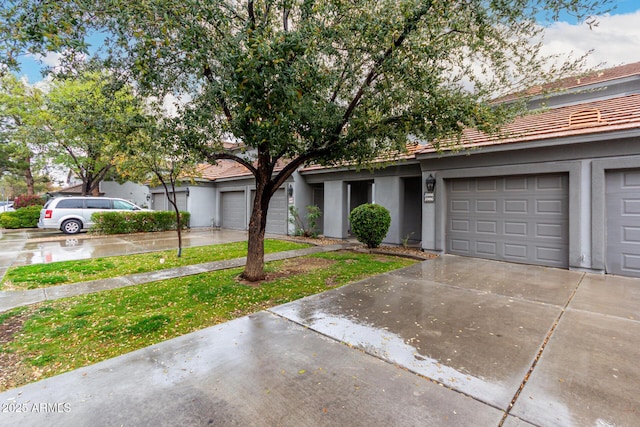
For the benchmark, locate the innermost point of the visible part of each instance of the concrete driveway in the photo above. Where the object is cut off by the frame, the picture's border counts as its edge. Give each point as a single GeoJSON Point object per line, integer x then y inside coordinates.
{"type": "Point", "coordinates": [451, 341]}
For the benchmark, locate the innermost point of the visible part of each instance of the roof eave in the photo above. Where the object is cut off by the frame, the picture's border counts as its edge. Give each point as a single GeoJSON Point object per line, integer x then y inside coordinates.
{"type": "Point", "coordinates": [537, 143]}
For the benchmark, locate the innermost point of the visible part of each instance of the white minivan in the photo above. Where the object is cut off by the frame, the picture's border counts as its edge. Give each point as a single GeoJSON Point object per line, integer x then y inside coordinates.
{"type": "Point", "coordinates": [72, 214]}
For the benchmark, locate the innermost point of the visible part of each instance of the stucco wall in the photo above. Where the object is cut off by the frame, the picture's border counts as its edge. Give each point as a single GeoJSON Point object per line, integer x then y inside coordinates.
{"type": "Point", "coordinates": [136, 193]}
{"type": "Point", "coordinates": [585, 163]}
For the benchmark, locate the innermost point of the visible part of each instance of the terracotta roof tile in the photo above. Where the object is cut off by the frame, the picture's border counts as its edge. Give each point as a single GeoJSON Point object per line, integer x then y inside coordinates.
{"type": "Point", "coordinates": [226, 168]}
{"type": "Point", "coordinates": [587, 79]}
{"type": "Point", "coordinates": [223, 169]}
{"type": "Point", "coordinates": [412, 149]}
{"type": "Point", "coordinates": [594, 117]}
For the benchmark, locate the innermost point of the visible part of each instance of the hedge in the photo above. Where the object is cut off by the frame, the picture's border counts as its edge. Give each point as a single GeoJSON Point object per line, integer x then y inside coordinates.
{"type": "Point", "coordinates": [136, 221]}
{"type": "Point", "coordinates": [25, 200]}
{"type": "Point", "coordinates": [21, 218]}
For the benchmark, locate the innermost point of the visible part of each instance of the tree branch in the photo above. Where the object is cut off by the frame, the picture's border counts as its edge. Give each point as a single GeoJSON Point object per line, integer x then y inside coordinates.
{"type": "Point", "coordinates": [285, 19]}
{"type": "Point", "coordinates": [409, 27]}
{"type": "Point", "coordinates": [223, 103]}
{"type": "Point", "coordinates": [212, 157]}
{"type": "Point", "coordinates": [252, 15]}
{"type": "Point", "coordinates": [291, 167]}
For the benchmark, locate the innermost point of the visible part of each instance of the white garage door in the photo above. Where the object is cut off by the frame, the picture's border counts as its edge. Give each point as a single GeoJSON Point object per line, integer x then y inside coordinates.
{"type": "Point", "coordinates": [234, 210]}
{"type": "Point", "coordinates": [623, 222]}
{"type": "Point", "coordinates": [277, 214]}
{"type": "Point", "coordinates": [514, 218]}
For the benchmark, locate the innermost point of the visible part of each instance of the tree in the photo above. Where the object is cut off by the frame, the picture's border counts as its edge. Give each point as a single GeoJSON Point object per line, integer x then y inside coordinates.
{"type": "Point", "coordinates": [155, 157]}
{"type": "Point", "coordinates": [20, 111]}
{"type": "Point", "coordinates": [87, 117]}
{"type": "Point", "coordinates": [301, 81]}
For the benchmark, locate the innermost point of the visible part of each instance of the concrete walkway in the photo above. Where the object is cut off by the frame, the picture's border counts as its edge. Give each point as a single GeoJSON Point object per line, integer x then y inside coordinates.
{"type": "Point", "coordinates": [447, 342]}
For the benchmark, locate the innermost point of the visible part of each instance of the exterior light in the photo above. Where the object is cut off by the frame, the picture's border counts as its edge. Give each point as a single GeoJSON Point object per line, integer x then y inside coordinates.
{"type": "Point", "coordinates": [187, 192]}
{"type": "Point", "coordinates": [430, 183]}
{"type": "Point", "coordinates": [290, 190]}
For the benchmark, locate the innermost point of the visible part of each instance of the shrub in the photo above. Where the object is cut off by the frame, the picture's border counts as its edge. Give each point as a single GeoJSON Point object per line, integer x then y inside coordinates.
{"type": "Point", "coordinates": [25, 200]}
{"type": "Point", "coordinates": [136, 221]}
{"type": "Point", "coordinates": [370, 223]}
{"type": "Point", "coordinates": [21, 218]}
{"type": "Point", "coordinates": [313, 214]}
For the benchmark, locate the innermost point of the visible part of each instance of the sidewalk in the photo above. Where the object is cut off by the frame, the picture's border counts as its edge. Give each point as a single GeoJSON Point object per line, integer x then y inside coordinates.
{"type": "Point", "coordinates": [12, 299]}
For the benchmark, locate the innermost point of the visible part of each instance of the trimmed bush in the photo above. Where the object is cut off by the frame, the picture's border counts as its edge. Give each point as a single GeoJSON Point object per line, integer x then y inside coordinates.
{"type": "Point", "coordinates": [136, 221]}
{"type": "Point", "coordinates": [370, 223]}
{"type": "Point", "coordinates": [24, 201]}
{"type": "Point", "coordinates": [21, 218]}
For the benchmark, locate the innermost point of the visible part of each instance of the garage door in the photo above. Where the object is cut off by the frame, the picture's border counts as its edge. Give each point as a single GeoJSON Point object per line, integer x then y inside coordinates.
{"type": "Point", "coordinates": [277, 215]}
{"type": "Point", "coordinates": [515, 218]}
{"type": "Point", "coordinates": [234, 210]}
{"type": "Point", "coordinates": [623, 222]}
{"type": "Point", "coordinates": [160, 202]}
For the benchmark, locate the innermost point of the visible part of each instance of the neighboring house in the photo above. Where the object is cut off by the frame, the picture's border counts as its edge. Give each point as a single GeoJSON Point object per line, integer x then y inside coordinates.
{"type": "Point", "coordinates": [135, 193]}
{"type": "Point", "coordinates": [221, 196]}
{"type": "Point", "coordinates": [561, 189]}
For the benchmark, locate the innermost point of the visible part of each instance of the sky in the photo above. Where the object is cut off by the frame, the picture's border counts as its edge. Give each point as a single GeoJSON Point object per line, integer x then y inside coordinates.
{"type": "Point", "coordinates": [614, 41]}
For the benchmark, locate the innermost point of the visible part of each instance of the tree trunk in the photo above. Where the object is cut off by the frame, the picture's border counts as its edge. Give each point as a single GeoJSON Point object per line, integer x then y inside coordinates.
{"type": "Point", "coordinates": [178, 224]}
{"type": "Point", "coordinates": [254, 268]}
{"type": "Point", "coordinates": [28, 177]}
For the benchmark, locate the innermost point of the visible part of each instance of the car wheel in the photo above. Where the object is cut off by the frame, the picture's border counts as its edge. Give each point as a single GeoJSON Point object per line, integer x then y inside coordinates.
{"type": "Point", "coordinates": [71, 226]}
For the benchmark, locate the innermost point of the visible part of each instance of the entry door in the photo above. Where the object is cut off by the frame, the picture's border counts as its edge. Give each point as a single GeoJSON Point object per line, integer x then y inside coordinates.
{"type": "Point", "coordinates": [623, 222]}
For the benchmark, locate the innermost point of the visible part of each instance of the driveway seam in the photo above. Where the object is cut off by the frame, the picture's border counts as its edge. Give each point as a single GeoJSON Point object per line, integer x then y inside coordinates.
{"type": "Point", "coordinates": [540, 351]}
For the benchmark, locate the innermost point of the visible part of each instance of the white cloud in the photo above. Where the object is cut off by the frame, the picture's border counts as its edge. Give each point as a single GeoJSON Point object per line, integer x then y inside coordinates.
{"type": "Point", "coordinates": [614, 40]}
{"type": "Point", "coordinates": [51, 59]}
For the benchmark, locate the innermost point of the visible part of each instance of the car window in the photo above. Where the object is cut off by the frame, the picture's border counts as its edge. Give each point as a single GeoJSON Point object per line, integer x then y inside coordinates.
{"type": "Point", "coordinates": [98, 204]}
{"type": "Point", "coordinates": [121, 204]}
{"type": "Point", "coordinates": [70, 204]}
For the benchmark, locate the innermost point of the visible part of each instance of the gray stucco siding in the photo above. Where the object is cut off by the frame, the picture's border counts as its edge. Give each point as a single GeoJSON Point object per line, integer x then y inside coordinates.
{"type": "Point", "coordinates": [585, 164]}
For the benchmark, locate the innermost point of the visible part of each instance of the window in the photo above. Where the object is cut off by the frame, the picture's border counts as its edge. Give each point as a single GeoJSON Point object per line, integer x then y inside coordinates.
{"type": "Point", "coordinates": [70, 204]}
{"type": "Point", "coordinates": [98, 204]}
{"type": "Point", "coordinates": [122, 205]}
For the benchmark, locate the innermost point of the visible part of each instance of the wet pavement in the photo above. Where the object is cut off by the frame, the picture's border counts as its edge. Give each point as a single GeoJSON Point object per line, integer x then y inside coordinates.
{"type": "Point", "coordinates": [48, 246]}
{"type": "Point", "coordinates": [451, 341]}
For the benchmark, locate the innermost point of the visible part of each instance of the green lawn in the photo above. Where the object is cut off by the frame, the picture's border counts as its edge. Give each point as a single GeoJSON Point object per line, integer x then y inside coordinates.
{"type": "Point", "coordinates": [62, 335]}
{"type": "Point", "coordinates": [57, 273]}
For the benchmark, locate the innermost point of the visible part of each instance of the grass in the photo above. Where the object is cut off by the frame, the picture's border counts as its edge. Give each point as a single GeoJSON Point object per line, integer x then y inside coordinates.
{"type": "Point", "coordinates": [62, 335]}
{"type": "Point", "coordinates": [57, 273]}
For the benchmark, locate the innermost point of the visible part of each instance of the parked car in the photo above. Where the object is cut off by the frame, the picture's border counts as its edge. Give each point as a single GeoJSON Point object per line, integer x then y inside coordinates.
{"type": "Point", "coordinates": [73, 214]}
{"type": "Point", "coordinates": [6, 206]}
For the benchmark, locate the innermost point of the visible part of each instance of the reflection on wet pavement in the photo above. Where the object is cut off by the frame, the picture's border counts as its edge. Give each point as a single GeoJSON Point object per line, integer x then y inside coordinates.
{"type": "Point", "coordinates": [259, 370]}
{"type": "Point", "coordinates": [83, 246]}
{"type": "Point", "coordinates": [471, 340]}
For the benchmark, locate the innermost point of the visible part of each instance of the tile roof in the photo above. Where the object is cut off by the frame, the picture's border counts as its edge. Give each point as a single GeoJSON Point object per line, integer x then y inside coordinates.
{"type": "Point", "coordinates": [590, 78]}
{"type": "Point", "coordinates": [588, 118]}
{"type": "Point", "coordinates": [411, 150]}
{"type": "Point", "coordinates": [223, 169]}
{"type": "Point", "coordinates": [226, 168]}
